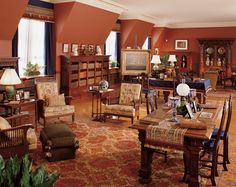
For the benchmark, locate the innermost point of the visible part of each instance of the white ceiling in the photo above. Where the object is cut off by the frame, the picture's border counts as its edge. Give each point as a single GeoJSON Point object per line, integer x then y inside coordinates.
{"type": "Point", "coordinates": [171, 13]}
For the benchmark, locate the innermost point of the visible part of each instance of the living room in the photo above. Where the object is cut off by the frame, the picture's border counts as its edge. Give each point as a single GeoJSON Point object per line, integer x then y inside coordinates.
{"type": "Point", "coordinates": [71, 47]}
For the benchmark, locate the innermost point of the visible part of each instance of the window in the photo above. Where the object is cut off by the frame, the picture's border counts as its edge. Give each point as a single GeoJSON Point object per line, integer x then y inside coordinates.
{"type": "Point", "coordinates": [31, 44]}
{"type": "Point", "coordinates": [147, 43]}
{"type": "Point", "coordinates": [112, 48]}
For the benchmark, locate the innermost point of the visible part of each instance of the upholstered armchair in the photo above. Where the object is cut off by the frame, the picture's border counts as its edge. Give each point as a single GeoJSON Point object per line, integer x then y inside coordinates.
{"type": "Point", "coordinates": [127, 104]}
{"type": "Point", "coordinates": [15, 138]}
{"type": "Point", "coordinates": [51, 104]}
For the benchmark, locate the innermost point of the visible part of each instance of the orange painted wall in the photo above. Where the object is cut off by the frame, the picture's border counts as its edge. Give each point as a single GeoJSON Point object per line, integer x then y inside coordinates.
{"type": "Point", "coordinates": [83, 24]}
{"type": "Point", "coordinates": [168, 37]}
{"type": "Point", "coordinates": [11, 12]}
{"type": "Point", "coordinates": [134, 29]}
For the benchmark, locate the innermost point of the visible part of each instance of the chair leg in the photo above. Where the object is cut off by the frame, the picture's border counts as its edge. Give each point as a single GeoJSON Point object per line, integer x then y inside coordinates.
{"type": "Point", "coordinates": [185, 168]}
{"type": "Point", "coordinates": [214, 168]}
{"type": "Point", "coordinates": [73, 118]}
{"type": "Point", "coordinates": [226, 150]}
{"type": "Point", "coordinates": [132, 120]}
{"type": "Point", "coordinates": [137, 117]}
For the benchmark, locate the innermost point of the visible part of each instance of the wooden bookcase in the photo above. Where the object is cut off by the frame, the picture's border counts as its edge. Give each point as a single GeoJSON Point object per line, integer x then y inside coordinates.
{"type": "Point", "coordinates": [82, 71]}
{"type": "Point", "coordinates": [215, 54]}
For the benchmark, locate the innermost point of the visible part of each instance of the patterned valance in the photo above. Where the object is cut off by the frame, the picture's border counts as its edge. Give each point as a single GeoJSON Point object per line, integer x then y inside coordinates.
{"type": "Point", "coordinates": [39, 13]}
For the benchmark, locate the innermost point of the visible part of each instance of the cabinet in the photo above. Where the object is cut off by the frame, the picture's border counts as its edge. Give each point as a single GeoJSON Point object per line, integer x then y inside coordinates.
{"type": "Point", "coordinates": [79, 71]}
{"type": "Point", "coordinates": [215, 54]}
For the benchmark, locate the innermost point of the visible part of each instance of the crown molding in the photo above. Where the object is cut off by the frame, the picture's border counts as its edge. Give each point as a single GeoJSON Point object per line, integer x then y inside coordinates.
{"type": "Point", "coordinates": [102, 4]}
{"type": "Point", "coordinates": [202, 25]}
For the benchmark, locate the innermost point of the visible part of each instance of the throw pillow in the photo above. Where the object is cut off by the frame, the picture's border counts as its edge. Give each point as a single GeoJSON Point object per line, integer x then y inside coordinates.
{"type": "Point", "coordinates": [56, 100]}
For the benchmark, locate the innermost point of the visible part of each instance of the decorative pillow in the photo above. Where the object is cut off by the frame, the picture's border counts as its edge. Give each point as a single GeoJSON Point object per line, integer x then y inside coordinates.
{"type": "Point", "coordinates": [56, 100]}
{"type": "Point", "coordinates": [4, 124]}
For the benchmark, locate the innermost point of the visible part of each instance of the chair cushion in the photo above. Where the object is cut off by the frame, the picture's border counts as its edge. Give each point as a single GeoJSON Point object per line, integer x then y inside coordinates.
{"type": "Point", "coordinates": [56, 100]}
{"type": "Point", "coordinates": [57, 135]}
{"type": "Point", "coordinates": [129, 93]}
{"type": "Point", "coordinates": [119, 110]}
{"type": "Point", "coordinates": [46, 88]}
{"type": "Point", "coordinates": [4, 124]}
{"type": "Point", "coordinates": [58, 110]}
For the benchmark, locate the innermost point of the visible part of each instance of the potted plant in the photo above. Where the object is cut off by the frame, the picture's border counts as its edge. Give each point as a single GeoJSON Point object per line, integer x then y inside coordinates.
{"type": "Point", "coordinates": [32, 69]}
{"type": "Point", "coordinates": [18, 172]}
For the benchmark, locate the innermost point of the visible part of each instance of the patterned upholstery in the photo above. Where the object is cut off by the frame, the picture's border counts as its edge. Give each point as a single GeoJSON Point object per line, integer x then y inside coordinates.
{"type": "Point", "coordinates": [129, 93]}
{"type": "Point", "coordinates": [46, 89]}
{"type": "Point", "coordinates": [120, 110]}
{"type": "Point", "coordinates": [57, 110]}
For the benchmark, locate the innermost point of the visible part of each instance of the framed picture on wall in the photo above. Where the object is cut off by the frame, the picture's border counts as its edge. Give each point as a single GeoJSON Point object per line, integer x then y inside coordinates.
{"type": "Point", "coordinates": [181, 44]}
{"type": "Point", "coordinates": [74, 47]}
{"type": "Point", "coordinates": [65, 48]}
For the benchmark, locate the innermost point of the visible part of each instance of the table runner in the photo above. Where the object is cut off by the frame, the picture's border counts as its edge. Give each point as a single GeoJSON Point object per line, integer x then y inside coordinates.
{"type": "Point", "coordinates": [165, 132]}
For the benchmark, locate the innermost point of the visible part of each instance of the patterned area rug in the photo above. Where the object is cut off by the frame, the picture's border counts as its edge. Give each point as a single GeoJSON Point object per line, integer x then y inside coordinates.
{"type": "Point", "coordinates": [109, 155]}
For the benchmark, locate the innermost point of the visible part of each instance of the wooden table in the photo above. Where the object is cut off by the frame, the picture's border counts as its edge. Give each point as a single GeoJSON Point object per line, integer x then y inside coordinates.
{"type": "Point", "coordinates": [97, 96]}
{"type": "Point", "coordinates": [193, 143]}
{"type": "Point", "coordinates": [14, 107]}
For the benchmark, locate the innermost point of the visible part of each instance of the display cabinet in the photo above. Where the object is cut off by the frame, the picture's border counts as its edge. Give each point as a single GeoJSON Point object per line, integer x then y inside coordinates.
{"type": "Point", "coordinates": [215, 54]}
{"type": "Point", "coordinates": [184, 60]}
{"type": "Point", "coordinates": [79, 71]}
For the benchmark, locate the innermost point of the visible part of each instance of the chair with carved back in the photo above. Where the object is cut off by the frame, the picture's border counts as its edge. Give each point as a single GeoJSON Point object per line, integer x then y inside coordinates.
{"type": "Point", "coordinates": [225, 136]}
{"type": "Point", "coordinates": [51, 104]}
{"type": "Point", "coordinates": [143, 79]}
{"type": "Point", "coordinates": [151, 106]}
{"type": "Point", "coordinates": [211, 148]}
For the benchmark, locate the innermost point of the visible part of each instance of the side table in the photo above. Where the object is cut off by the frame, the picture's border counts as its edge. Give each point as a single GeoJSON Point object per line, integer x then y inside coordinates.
{"type": "Point", "coordinates": [97, 97]}
{"type": "Point", "coordinates": [14, 107]}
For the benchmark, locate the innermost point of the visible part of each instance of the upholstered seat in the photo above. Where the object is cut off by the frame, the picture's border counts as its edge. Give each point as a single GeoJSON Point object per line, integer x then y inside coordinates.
{"type": "Point", "coordinates": [50, 103]}
{"type": "Point", "coordinates": [128, 103]}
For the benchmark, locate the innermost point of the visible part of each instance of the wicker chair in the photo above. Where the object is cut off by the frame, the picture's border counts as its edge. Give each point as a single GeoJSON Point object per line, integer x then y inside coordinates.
{"type": "Point", "coordinates": [127, 104]}
{"type": "Point", "coordinates": [15, 138]}
{"type": "Point", "coordinates": [50, 103]}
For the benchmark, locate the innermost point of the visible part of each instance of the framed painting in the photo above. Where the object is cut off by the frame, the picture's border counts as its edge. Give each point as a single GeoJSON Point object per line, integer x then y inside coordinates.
{"type": "Point", "coordinates": [74, 47]}
{"type": "Point", "coordinates": [181, 44]}
{"type": "Point", "coordinates": [135, 61]}
{"type": "Point", "coordinates": [65, 48]}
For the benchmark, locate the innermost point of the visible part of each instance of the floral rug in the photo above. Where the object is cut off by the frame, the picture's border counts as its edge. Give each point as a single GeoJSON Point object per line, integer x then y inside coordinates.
{"type": "Point", "coordinates": [109, 155]}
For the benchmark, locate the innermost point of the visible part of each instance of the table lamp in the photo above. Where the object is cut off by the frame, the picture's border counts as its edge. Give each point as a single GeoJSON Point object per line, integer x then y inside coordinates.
{"type": "Point", "coordinates": [10, 79]}
{"type": "Point", "coordinates": [156, 60]}
{"type": "Point", "coordinates": [172, 59]}
{"type": "Point", "coordinates": [183, 91]}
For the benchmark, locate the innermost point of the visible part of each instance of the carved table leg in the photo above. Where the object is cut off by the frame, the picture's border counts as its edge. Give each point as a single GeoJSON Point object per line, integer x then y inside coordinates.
{"type": "Point", "coordinates": [193, 146]}
{"type": "Point", "coordinates": [166, 95]}
{"type": "Point", "coordinates": [146, 161]}
{"type": "Point", "coordinates": [199, 96]}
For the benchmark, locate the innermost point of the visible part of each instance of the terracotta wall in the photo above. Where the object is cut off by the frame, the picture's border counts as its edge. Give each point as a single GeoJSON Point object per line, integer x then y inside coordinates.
{"type": "Point", "coordinates": [165, 39]}
{"type": "Point", "coordinates": [10, 15]}
{"type": "Point", "coordinates": [134, 32]}
{"type": "Point", "coordinates": [82, 24]}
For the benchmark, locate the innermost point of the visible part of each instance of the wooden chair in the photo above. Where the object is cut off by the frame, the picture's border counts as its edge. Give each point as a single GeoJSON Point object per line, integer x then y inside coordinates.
{"type": "Point", "coordinates": [210, 147]}
{"type": "Point", "coordinates": [213, 77]}
{"type": "Point", "coordinates": [225, 136]}
{"type": "Point", "coordinates": [15, 138]}
{"type": "Point", "coordinates": [143, 79]}
{"type": "Point", "coordinates": [151, 105]}
{"type": "Point", "coordinates": [127, 104]}
{"type": "Point", "coordinates": [50, 103]}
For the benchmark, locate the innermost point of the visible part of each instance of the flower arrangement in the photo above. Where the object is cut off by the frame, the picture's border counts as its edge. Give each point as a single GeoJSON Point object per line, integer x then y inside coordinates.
{"type": "Point", "coordinates": [32, 69]}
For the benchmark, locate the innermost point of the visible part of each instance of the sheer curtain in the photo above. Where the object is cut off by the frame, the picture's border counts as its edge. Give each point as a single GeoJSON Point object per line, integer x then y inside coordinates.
{"type": "Point", "coordinates": [111, 46]}
{"type": "Point", "coordinates": [31, 44]}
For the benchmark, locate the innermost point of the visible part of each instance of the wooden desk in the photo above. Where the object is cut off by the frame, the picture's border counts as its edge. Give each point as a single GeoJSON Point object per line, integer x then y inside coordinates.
{"type": "Point", "coordinates": [97, 97]}
{"type": "Point", "coordinates": [193, 142]}
{"type": "Point", "coordinates": [14, 107]}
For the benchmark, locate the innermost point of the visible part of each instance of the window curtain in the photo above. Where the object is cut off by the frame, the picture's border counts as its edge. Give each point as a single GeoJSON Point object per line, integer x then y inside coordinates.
{"type": "Point", "coordinates": [15, 48]}
{"type": "Point", "coordinates": [118, 48]}
{"type": "Point", "coordinates": [49, 63]}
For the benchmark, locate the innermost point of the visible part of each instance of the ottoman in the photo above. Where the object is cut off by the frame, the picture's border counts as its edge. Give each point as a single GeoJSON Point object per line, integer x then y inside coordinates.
{"type": "Point", "coordinates": [58, 142]}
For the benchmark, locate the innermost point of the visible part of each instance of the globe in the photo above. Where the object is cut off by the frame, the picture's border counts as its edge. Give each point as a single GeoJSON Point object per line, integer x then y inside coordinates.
{"type": "Point", "coordinates": [104, 85]}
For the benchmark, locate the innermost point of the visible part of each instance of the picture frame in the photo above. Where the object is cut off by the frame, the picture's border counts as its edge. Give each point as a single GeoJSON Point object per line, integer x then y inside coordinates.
{"type": "Point", "coordinates": [91, 49]}
{"type": "Point", "coordinates": [189, 110]}
{"type": "Point", "coordinates": [135, 61]}
{"type": "Point", "coordinates": [65, 48]}
{"type": "Point", "coordinates": [74, 47]}
{"type": "Point", "coordinates": [18, 97]}
{"type": "Point", "coordinates": [181, 44]}
{"type": "Point", "coordinates": [26, 95]}
{"type": "Point", "coordinates": [194, 106]}
{"type": "Point", "coordinates": [21, 93]}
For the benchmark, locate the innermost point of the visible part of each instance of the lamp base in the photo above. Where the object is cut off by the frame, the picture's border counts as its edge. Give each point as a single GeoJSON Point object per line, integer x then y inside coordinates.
{"type": "Point", "coordinates": [10, 92]}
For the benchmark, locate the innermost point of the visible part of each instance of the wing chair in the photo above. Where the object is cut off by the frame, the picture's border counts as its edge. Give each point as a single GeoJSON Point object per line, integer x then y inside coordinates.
{"type": "Point", "coordinates": [15, 138]}
{"type": "Point", "coordinates": [127, 104]}
{"type": "Point", "coordinates": [50, 103]}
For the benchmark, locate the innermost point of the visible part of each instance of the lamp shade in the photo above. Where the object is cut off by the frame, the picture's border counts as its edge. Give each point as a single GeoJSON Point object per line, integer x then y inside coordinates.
{"type": "Point", "coordinates": [10, 77]}
{"type": "Point", "coordinates": [172, 58]}
{"type": "Point", "coordinates": [183, 89]}
{"type": "Point", "coordinates": [156, 59]}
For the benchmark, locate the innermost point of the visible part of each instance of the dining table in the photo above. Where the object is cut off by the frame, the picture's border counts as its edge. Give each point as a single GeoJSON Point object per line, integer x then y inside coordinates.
{"type": "Point", "coordinates": [156, 130]}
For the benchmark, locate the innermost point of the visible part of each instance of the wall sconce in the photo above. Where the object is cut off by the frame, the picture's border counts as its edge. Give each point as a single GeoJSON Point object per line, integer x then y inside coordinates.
{"type": "Point", "coordinates": [155, 60]}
